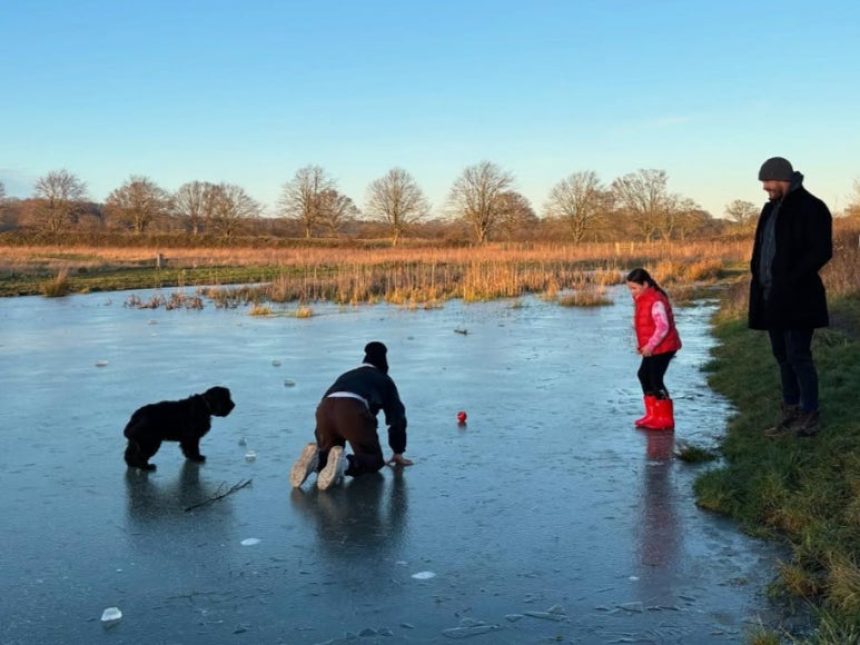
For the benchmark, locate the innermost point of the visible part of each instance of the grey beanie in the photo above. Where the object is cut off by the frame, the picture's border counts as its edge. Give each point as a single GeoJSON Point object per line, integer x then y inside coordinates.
{"type": "Point", "coordinates": [776, 169]}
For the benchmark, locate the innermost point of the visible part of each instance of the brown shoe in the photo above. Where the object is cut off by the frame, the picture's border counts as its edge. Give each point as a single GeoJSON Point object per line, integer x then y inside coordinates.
{"type": "Point", "coordinates": [790, 414]}
{"type": "Point", "coordinates": [807, 424]}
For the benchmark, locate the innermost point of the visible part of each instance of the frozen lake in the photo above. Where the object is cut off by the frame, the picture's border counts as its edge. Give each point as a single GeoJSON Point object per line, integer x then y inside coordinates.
{"type": "Point", "coordinates": [547, 518]}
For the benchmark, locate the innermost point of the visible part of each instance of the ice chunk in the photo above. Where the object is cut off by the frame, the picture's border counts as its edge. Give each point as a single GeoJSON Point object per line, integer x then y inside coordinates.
{"type": "Point", "coordinates": [476, 629]}
{"type": "Point", "coordinates": [250, 541]}
{"type": "Point", "coordinates": [276, 363]}
{"type": "Point", "coordinates": [101, 363]}
{"type": "Point", "coordinates": [250, 455]}
{"type": "Point", "coordinates": [423, 575]}
{"type": "Point", "coordinates": [289, 383]}
{"type": "Point", "coordinates": [633, 607]}
{"type": "Point", "coordinates": [111, 615]}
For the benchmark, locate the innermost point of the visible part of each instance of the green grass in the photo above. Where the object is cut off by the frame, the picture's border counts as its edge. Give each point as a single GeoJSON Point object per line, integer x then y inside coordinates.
{"type": "Point", "coordinates": [84, 281]}
{"type": "Point", "coordinates": [803, 491]}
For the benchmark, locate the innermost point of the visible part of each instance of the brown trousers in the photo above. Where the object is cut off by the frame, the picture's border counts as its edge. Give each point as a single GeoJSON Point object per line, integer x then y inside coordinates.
{"type": "Point", "coordinates": [343, 419]}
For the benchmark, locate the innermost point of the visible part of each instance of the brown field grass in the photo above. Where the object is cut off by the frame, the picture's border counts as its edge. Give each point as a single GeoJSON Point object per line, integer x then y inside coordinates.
{"type": "Point", "coordinates": [841, 275]}
{"type": "Point", "coordinates": [416, 276]}
{"type": "Point", "coordinates": [23, 258]}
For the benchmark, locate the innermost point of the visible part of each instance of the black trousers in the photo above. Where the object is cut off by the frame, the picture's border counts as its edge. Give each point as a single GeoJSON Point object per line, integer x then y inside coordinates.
{"type": "Point", "coordinates": [343, 419]}
{"type": "Point", "coordinates": [792, 349]}
{"type": "Point", "coordinates": [651, 373]}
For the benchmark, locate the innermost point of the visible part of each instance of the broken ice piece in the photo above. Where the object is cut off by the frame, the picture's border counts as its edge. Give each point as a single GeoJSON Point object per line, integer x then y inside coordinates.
{"type": "Point", "coordinates": [250, 541]}
{"type": "Point", "coordinates": [289, 383]}
{"type": "Point", "coordinates": [242, 441]}
{"type": "Point", "coordinates": [634, 607]}
{"type": "Point", "coordinates": [101, 363]}
{"type": "Point", "coordinates": [423, 575]}
{"type": "Point", "coordinates": [472, 630]}
{"type": "Point", "coordinates": [250, 455]}
{"type": "Point", "coordinates": [546, 615]}
{"type": "Point", "coordinates": [111, 615]}
{"type": "Point", "coordinates": [276, 363]}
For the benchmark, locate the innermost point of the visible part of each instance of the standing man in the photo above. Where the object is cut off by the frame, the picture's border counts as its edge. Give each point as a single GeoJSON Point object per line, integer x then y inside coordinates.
{"type": "Point", "coordinates": [348, 412]}
{"type": "Point", "coordinates": [793, 241]}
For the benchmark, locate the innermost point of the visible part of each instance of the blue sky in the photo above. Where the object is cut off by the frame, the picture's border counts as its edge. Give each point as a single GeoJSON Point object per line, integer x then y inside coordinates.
{"type": "Point", "coordinates": [248, 92]}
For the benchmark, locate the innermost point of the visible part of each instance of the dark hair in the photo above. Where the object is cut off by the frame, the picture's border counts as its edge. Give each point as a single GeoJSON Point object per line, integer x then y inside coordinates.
{"type": "Point", "coordinates": [641, 276]}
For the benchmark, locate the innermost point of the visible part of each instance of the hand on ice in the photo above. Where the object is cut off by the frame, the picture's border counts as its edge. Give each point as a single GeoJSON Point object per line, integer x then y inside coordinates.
{"type": "Point", "coordinates": [399, 460]}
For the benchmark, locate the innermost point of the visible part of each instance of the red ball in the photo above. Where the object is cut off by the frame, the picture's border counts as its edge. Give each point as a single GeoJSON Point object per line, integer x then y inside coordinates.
{"type": "Point", "coordinates": [461, 416]}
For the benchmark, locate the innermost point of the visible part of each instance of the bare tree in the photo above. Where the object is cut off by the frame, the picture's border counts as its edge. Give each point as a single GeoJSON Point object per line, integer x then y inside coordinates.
{"type": "Point", "coordinates": [138, 203]}
{"type": "Point", "coordinates": [194, 201]}
{"type": "Point", "coordinates": [853, 208]}
{"type": "Point", "coordinates": [2, 192]}
{"type": "Point", "coordinates": [516, 215]}
{"type": "Point", "coordinates": [690, 218]}
{"type": "Point", "coordinates": [300, 197]}
{"type": "Point", "coordinates": [742, 212]}
{"type": "Point", "coordinates": [644, 198]}
{"type": "Point", "coordinates": [475, 196]}
{"type": "Point", "coordinates": [60, 196]}
{"type": "Point", "coordinates": [396, 200]}
{"type": "Point", "coordinates": [578, 200]}
{"type": "Point", "coordinates": [335, 210]}
{"type": "Point", "coordinates": [230, 207]}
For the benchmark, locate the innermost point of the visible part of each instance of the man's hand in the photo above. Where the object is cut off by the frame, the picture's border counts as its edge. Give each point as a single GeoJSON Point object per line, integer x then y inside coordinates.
{"type": "Point", "coordinates": [399, 460]}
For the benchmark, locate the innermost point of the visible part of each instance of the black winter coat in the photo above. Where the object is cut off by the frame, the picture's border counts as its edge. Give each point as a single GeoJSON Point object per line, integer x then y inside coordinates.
{"type": "Point", "coordinates": [804, 244]}
{"type": "Point", "coordinates": [380, 392]}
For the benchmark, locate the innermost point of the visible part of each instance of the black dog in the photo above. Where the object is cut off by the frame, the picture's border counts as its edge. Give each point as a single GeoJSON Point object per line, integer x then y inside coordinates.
{"type": "Point", "coordinates": [185, 421]}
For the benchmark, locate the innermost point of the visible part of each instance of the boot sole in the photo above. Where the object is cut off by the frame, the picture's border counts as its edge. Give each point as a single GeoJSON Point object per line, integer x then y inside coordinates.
{"type": "Point", "coordinates": [302, 469]}
{"type": "Point", "coordinates": [328, 475]}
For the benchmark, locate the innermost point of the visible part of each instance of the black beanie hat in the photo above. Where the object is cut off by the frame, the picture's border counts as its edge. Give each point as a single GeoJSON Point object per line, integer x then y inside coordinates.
{"type": "Point", "coordinates": [776, 169]}
{"type": "Point", "coordinates": [374, 353]}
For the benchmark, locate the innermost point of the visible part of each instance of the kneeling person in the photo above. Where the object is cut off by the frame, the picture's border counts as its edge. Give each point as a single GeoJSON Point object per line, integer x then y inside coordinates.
{"type": "Point", "coordinates": [347, 413]}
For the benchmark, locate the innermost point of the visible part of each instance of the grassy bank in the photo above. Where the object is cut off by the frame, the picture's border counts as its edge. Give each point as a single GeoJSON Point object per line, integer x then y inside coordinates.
{"type": "Point", "coordinates": [803, 491]}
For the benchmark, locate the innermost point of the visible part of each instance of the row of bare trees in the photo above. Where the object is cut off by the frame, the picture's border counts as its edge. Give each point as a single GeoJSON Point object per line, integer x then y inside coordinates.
{"type": "Point", "coordinates": [482, 201]}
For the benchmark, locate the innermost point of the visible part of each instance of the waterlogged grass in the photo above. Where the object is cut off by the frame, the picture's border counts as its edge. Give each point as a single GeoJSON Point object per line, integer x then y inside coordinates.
{"type": "Point", "coordinates": [803, 491]}
{"type": "Point", "coordinates": [358, 274]}
{"type": "Point", "coordinates": [117, 279]}
{"type": "Point", "coordinates": [58, 287]}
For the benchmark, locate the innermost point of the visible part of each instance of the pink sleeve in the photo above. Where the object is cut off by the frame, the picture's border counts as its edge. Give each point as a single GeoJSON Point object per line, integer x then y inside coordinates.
{"type": "Point", "coordinates": [661, 326]}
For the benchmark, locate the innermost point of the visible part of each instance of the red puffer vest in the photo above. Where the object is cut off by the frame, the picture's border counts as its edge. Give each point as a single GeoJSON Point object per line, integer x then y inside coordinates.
{"type": "Point", "coordinates": [645, 326]}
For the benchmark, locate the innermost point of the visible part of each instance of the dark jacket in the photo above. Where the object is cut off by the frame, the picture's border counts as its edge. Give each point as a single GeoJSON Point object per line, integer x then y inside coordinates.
{"type": "Point", "coordinates": [804, 244]}
{"type": "Point", "coordinates": [380, 392]}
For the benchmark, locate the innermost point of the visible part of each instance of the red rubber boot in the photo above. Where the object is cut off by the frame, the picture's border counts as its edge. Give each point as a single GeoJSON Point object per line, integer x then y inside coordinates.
{"type": "Point", "coordinates": [642, 422]}
{"type": "Point", "coordinates": [664, 415]}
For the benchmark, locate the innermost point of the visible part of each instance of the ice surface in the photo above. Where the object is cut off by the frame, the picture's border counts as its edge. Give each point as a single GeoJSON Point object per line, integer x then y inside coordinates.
{"type": "Point", "coordinates": [546, 499]}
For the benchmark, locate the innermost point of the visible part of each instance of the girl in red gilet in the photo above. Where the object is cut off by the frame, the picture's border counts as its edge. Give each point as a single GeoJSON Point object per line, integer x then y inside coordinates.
{"type": "Point", "coordinates": [657, 341]}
